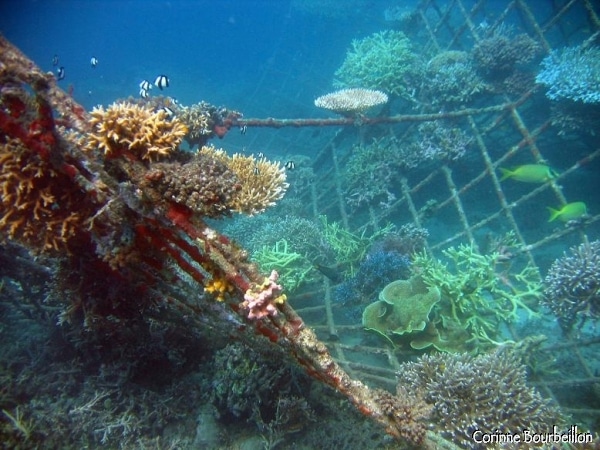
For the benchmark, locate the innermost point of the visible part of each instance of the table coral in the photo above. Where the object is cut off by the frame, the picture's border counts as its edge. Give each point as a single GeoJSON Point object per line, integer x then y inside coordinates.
{"type": "Point", "coordinates": [351, 101]}
{"type": "Point", "coordinates": [138, 130]}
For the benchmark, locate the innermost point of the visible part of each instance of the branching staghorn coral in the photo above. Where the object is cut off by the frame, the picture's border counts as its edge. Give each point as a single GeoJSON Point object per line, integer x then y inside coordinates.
{"type": "Point", "coordinates": [37, 205]}
{"type": "Point", "coordinates": [487, 393]}
{"type": "Point", "coordinates": [262, 182]}
{"type": "Point", "coordinates": [478, 294]}
{"type": "Point", "coordinates": [572, 286]}
{"type": "Point", "coordinates": [294, 269]}
{"type": "Point", "coordinates": [383, 61]}
{"type": "Point", "coordinates": [498, 54]}
{"type": "Point", "coordinates": [572, 73]}
{"type": "Point", "coordinates": [450, 80]}
{"type": "Point", "coordinates": [139, 130]}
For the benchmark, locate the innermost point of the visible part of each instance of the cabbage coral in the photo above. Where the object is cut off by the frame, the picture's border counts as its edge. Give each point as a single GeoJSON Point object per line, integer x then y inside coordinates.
{"type": "Point", "coordinates": [134, 129]}
{"type": "Point", "coordinates": [382, 61]}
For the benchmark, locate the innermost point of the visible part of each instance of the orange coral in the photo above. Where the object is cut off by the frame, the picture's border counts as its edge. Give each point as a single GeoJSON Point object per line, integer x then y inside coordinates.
{"type": "Point", "coordinates": [38, 205]}
{"type": "Point", "coordinates": [140, 130]}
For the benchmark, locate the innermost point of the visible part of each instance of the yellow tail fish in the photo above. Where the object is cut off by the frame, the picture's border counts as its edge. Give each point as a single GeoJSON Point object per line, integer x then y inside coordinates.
{"type": "Point", "coordinates": [570, 211]}
{"type": "Point", "coordinates": [529, 173]}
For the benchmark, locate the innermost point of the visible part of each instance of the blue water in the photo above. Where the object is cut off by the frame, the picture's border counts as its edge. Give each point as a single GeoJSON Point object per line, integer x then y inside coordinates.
{"type": "Point", "coordinates": [215, 51]}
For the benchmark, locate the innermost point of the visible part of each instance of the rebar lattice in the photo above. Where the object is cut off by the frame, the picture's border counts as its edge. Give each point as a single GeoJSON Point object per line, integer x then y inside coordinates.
{"type": "Point", "coordinates": [521, 135]}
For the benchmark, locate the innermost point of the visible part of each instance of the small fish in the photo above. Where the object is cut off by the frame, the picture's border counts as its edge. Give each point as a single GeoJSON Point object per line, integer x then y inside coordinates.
{"type": "Point", "coordinates": [161, 82]}
{"type": "Point", "coordinates": [260, 155]}
{"type": "Point", "coordinates": [145, 85]}
{"type": "Point", "coordinates": [55, 60]}
{"type": "Point", "coordinates": [571, 211]}
{"type": "Point", "coordinates": [529, 173]}
{"type": "Point", "coordinates": [144, 93]}
{"type": "Point", "coordinates": [333, 273]}
{"type": "Point", "coordinates": [168, 111]}
{"type": "Point", "coordinates": [243, 129]}
{"type": "Point", "coordinates": [290, 165]}
{"type": "Point", "coordinates": [256, 171]}
{"type": "Point", "coordinates": [60, 73]}
{"type": "Point", "coordinates": [94, 61]}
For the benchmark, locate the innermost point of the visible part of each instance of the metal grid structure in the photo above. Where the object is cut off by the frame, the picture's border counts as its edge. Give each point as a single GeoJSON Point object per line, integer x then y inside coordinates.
{"type": "Point", "coordinates": [502, 134]}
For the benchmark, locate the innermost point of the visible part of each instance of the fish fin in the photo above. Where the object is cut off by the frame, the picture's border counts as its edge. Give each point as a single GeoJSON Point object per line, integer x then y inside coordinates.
{"type": "Point", "coordinates": [505, 173]}
{"type": "Point", "coordinates": [554, 213]}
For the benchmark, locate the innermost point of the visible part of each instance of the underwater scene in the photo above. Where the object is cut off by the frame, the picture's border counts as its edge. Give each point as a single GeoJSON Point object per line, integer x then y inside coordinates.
{"type": "Point", "coordinates": [299, 224]}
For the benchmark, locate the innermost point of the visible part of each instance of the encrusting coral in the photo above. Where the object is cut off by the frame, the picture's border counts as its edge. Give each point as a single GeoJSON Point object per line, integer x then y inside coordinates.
{"type": "Point", "coordinates": [204, 185]}
{"type": "Point", "coordinates": [139, 130]}
{"type": "Point", "coordinates": [351, 101]}
{"type": "Point", "coordinates": [262, 182]}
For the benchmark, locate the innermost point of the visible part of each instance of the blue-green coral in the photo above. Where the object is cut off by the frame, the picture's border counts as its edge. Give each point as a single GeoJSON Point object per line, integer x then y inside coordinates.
{"type": "Point", "coordinates": [382, 61]}
{"type": "Point", "coordinates": [572, 74]}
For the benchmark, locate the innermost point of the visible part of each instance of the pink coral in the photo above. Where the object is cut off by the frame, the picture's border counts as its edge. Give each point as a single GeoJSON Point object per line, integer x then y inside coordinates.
{"type": "Point", "coordinates": [260, 300]}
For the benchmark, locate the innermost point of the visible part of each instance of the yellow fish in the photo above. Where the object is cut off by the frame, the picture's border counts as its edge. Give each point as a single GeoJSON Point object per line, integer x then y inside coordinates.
{"type": "Point", "coordinates": [570, 211]}
{"type": "Point", "coordinates": [529, 173]}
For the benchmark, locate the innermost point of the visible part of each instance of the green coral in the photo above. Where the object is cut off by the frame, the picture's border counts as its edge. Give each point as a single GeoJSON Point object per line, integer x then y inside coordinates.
{"type": "Point", "coordinates": [478, 294]}
{"type": "Point", "coordinates": [349, 248]}
{"type": "Point", "coordinates": [403, 308]}
{"type": "Point", "coordinates": [293, 268]}
{"type": "Point", "coordinates": [382, 61]}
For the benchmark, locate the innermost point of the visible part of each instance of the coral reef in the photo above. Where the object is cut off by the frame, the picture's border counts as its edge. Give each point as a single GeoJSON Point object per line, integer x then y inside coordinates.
{"type": "Point", "coordinates": [351, 101]}
{"type": "Point", "coordinates": [205, 121]}
{"type": "Point", "coordinates": [498, 55]}
{"type": "Point", "coordinates": [572, 286]}
{"type": "Point", "coordinates": [488, 393]}
{"type": "Point", "coordinates": [410, 412]}
{"type": "Point", "coordinates": [572, 73]}
{"type": "Point", "coordinates": [262, 182]}
{"type": "Point", "coordinates": [451, 80]}
{"type": "Point", "coordinates": [37, 205]}
{"type": "Point", "coordinates": [294, 269]}
{"type": "Point", "coordinates": [406, 240]}
{"type": "Point", "coordinates": [126, 128]}
{"type": "Point", "coordinates": [478, 294]}
{"type": "Point", "coordinates": [376, 270]}
{"type": "Point", "coordinates": [204, 185]}
{"type": "Point", "coordinates": [383, 61]}
{"type": "Point", "coordinates": [261, 299]}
